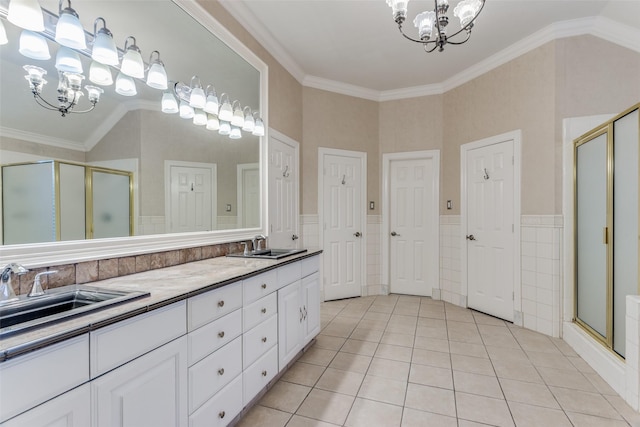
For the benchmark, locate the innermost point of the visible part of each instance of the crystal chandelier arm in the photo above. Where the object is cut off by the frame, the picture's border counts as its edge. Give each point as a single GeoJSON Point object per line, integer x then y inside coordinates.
{"type": "Point", "coordinates": [46, 104]}
{"type": "Point", "coordinates": [459, 42]}
{"type": "Point", "coordinates": [412, 39]}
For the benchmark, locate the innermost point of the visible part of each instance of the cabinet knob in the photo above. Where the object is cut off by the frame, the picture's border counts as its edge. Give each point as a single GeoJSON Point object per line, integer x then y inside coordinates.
{"type": "Point", "coordinates": [221, 371]}
{"type": "Point", "coordinates": [264, 339]}
{"type": "Point", "coordinates": [221, 414]}
{"type": "Point", "coordinates": [221, 334]}
{"type": "Point", "coordinates": [221, 303]}
{"type": "Point", "coordinates": [264, 310]}
{"type": "Point", "coordinates": [264, 286]}
{"type": "Point", "coordinates": [264, 373]}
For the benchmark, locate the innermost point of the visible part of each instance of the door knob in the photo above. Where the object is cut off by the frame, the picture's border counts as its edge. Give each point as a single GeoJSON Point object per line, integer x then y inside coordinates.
{"type": "Point", "coordinates": [394, 234]}
{"type": "Point", "coordinates": [471, 237]}
{"type": "Point", "coordinates": [294, 237]}
{"type": "Point", "coordinates": [357, 234]}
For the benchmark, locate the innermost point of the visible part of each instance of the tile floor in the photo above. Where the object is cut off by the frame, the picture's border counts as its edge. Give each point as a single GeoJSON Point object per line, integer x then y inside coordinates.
{"type": "Point", "coordinates": [393, 361]}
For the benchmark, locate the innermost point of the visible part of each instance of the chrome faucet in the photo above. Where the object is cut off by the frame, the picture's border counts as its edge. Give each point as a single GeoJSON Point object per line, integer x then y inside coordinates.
{"type": "Point", "coordinates": [36, 289]}
{"type": "Point", "coordinates": [256, 241]}
{"type": "Point", "coordinates": [6, 290]}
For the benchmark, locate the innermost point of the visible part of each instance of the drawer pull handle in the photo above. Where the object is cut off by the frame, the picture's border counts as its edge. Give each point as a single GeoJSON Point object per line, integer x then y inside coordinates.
{"type": "Point", "coordinates": [221, 414]}
{"type": "Point", "coordinates": [264, 373]}
{"type": "Point", "coordinates": [264, 339]}
{"type": "Point", "coordinates": [264, 286]}
{"type": "Point", "coordinates": [264, 310]}
{"type": "Point", "coordinates": [221, 334]}
{"type": "Point", "coordinates": [221, 371]}
{"type": "Point", "coordinates": [221, 303]}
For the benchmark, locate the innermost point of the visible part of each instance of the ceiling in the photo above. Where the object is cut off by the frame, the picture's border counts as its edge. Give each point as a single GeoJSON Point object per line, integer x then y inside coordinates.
{"type": "Point", "coordinates": [354, 47]}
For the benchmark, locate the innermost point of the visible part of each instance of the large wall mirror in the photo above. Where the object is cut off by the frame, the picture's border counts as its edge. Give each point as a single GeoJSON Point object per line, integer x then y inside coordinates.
{"type": "Point", "coordinates": [131, 133]}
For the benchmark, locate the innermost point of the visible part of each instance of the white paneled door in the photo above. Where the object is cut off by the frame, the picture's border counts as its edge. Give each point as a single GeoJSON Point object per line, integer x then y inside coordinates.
{"type": "Point", "coordinates": [248, 195]}
{"type": "Point", "coordinates": [341, 193]}
{"type": "Point", "coordinates": [283, 191]}
{"type": "Point", "coordinates": [490, 238]}
{"type": "Point", "coordinates": [413, 225]}
{"type": "Point", "coordinates": [190, 193]}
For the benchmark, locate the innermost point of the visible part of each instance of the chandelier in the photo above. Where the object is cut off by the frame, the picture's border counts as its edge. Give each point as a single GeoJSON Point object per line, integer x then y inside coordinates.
{"type": "Point", "coordinates": [432, 24]}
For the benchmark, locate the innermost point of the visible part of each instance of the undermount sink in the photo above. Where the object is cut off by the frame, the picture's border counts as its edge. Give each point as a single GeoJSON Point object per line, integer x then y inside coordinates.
{"type": "Point", "coordinates": [58, 304]}
{"type": "Point", "coordinates": [269, 253]}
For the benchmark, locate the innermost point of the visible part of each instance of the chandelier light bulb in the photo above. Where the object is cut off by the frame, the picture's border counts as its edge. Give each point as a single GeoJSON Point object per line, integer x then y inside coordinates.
{"type": "Point", "coordinates": [68, 60]}
{"type": "Point", "coordinates": [69, 31]}
{"type": "Point", "coordinates": [26, 14]}
{"type": "Point", "coordinates": [186, 110]}
{"type": "Point", "coordinates": [104, 47]}
{"type": "Point", "coordinates": [225, 128]}
{"type": "Point", "coordinates": [125, 85]}
{"type": "Point", "coordinates": [93, 93]}
{"type": "Point", "coordinates": [399, 9]}
{"type": "Point", "coordinates": [157, 75]}
{"type": "Point", "coordinates": [169, 103]}
{"type": "Point", "coordinates": [424, 23]}
{"type": "Point", "coordinates": [212, 122]}
{"type": "Point", "coordinates": [35, 76]}
{"type": "Point", "coordinates": [132, 63]}
{"type": "Point", "coordinates": [100, 74]}
{"type": "Point", "coordinates": [33, 45]}
{"type": "Point", "coordinates": [466, 11]}
{"type": "Point", "coordinates": [73, 81]}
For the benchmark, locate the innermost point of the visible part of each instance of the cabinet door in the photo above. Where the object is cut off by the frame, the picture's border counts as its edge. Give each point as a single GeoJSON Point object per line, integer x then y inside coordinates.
{"type": "Point", "coordinates": [148, 391]}
{"type": "Point", "coordinates": [289, 320]}
{"type": "Point", "coordinates": [71, 409]}
{"type": "Point", "coordinates": [310, 307]}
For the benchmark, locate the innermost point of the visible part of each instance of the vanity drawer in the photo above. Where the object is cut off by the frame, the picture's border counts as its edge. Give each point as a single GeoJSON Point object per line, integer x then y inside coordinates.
{"type": "Point", "coordinates": [116, 344]}
{"type": "Point", "coordinates": [29, 380]}
{"type": "Point", "coordinates": [259, 339]}
{"type": "Point", "coordinates": [310, 265]}
{"type": "Point", "coordinates": [258, 286]}
{"type": "Point", "coordinates": [289, 273]}
{"type": "Point", "coordinates": [221, 408]}
{"type": "Point", "coordinates": [259, 311]}
{"type": "Point", "coordinates": [212, 336]}
{"type": "Point", "coordinates": [212, 373]}
{"type": "Point", "coordinates": [214, 304]}
{"type": "Point", "coordinates": [258, 375]}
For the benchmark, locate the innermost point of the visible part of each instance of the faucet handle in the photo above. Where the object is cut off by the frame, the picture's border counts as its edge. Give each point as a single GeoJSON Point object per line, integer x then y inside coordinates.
{"type": "Point", "coordinates": [36, 289]}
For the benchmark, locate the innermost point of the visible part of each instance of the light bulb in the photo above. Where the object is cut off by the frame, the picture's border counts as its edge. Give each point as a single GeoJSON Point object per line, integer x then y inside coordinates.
{"type": "Point", "coordinates": [169, 103]}
{"type": "Point", "coordinates": [26, 14]}
{"type": "Point", "coordinates": [157, 75]}
{"type": "Point", "coordinates": [132, 63]}
{"type": "Point", "coordinates": [259, 129]}
{"type": "Point", "coordinates": [68, 60]}
{"type": "Point", "coordinates": [100, 74]}
{"type": "Point", "coordinates": [197, 99]}
{"type": "Point", "coordinates": [93, 93]}
{"type": "Point", "coordinates": [186, 111]}
{"type": "Point", "coordinates": [226, 112]}
{"type": "Point", "coordinates": [225, 128]}
{"type": "Point", "coordinates": [235, 133]}
{"type": "Point", "coordinates": [34, 46]}
{"type": "Point", "coordinates": [212, 122]}
{"type": "Point", "coordinates": [211, 106]}
{"type": "Point", "coordinates": [199, 117]}
{"type": "Point", "coordinates": [104, 47]}
{"type": "Point", "coordinates": [125, 85]}
{"type": "Point", "coordinates": [69, 31]}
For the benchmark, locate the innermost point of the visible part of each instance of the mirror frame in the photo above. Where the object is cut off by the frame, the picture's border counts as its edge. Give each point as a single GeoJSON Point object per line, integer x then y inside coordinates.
{"type": "Point", "coordinates": [68, 252]}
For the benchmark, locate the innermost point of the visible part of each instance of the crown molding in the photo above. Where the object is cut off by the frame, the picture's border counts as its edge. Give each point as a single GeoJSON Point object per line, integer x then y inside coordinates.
{"type": "Point", "coordinates": [253, 26]}
{"type": "Point", "coordinates": [604, 28]}
{"type": "Point", "coordinates": [40, 139]}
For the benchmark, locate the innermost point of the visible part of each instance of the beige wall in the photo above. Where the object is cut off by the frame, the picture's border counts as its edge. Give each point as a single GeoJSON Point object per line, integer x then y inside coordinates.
{"type": "Point", "coordinates": [45, 151]}
{"type": "Point", "coordinates": [337, 121]}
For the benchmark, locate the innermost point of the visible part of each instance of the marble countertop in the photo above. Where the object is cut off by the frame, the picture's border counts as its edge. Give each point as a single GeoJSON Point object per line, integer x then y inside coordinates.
{"type": "Point", "coordinates": [165, 286]}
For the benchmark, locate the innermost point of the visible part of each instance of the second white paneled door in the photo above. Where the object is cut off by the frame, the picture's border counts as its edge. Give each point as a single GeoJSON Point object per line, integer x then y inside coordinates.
{"type": "Point", "coordinates": [490, 237]}
{"type": "Point", "coordinates": [413, 224]}
{"type": "Point", "coordinates": [341, 204]}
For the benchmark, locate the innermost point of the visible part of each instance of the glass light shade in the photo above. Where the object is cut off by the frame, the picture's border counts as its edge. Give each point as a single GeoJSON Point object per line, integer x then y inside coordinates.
{"type": "Point", "coordinates": [226, 112]}
{"type": "Point", "coordinates": [169, 103]}
{"type": "Point", "coordinates": [125, 85]}
{"type": "Point", "coordinates": [186, 110]}
{"type": "Point", "coordinates": [212, 106]}
{"type": "Point", "coordinates": [212, 122]}
{"type": "Point", "coordinates": [26, 14]}
{"type": "Point", "coordinates": [249, 123]}
{"type": "Point", "coordinates": [68, 60]}
{"type": "Point", "coordinates": [157, 76]}
{"type": "Point", "coordinates": [424, 23]}
{"type": "Point", "coordinates": [100, 74]}
{"type": "Point", "coordinates": [3, 34]}
{"type": "Point", "coordinates": [238, 117]}
{"type": "Point", "coordinates": [35, 75]}
{"type": "Point", "coordinates": [225, 128]}
{"type": "Point", "coordinates": [197, 99]}
{"type": "Point", "coordinates": [399, 8]}
{"type": "Point", "coordinates": [74, 80]}
{"type": "Point", "coordinates": [34, 46]}
{"type": "Point", "coordinates": [132, 63]}
{"type": "Point", "coordinates": [69, 31]}
{"type": "Point", "coordinates": [93, 93]}
{"type": "Point", "coordinates": [466, 11]}
{"type": "Point", "coordinates": [235, 133]}
{"type": "Point", "coordinates": [104, 48]}
{"type": "Point", "coordinates": [199, 117]}
{"type": "Point", "coordinates": [259, 129]}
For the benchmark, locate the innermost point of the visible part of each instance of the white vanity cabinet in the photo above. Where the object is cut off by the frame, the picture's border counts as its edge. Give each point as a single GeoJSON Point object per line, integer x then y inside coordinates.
{"type": "Point", "coordinates": [298, 308]}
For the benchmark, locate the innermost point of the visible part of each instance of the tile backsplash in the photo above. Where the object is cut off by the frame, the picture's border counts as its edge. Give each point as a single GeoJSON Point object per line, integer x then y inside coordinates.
{"type": "Point", "coordinates": [91, 271]}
